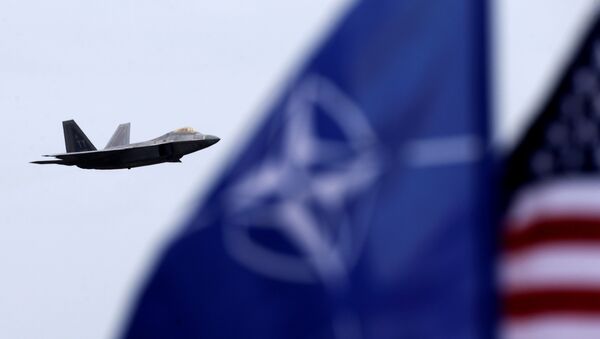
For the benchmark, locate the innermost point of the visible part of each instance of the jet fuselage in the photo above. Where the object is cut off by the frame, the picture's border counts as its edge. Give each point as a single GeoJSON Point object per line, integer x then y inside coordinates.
{"type": "Point", "coordinates": [119, 153]}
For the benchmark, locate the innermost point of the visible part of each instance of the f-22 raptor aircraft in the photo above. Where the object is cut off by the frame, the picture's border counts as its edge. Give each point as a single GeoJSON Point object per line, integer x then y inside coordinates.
{"type": "Point", "coordinates": [119, 153]}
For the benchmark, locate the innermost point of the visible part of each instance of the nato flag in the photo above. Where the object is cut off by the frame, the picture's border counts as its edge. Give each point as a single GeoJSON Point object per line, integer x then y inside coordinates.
{"type": "Point", "coordinates": [358, 207]}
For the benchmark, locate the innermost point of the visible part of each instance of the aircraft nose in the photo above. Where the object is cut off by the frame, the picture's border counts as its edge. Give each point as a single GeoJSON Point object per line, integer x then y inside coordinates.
{"type": "Point", "coordinates": [211, 138]}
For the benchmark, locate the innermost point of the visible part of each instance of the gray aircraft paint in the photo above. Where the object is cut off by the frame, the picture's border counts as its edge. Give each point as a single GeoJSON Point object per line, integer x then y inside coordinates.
{"type": "Point", "coordinates": [119, 153]}
{"type": "Point", "coordinates": [120, 137]}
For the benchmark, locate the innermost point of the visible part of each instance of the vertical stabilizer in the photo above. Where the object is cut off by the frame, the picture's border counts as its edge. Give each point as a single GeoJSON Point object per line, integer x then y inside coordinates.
{"type": "Point", "coordinates": [120, 137]}
{"type": "Point", "coordinates": [75, 139]}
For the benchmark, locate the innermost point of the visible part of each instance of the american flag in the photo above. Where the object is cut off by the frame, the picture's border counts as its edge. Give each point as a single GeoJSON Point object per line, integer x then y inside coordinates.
{"type": "Point", "coordinates": [550, 263]}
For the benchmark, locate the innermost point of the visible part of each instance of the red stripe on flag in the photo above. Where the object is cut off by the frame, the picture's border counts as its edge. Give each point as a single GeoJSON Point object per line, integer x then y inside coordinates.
{"type": "Point", "coordinates": [551, 230]}
{"type": "Point", "coordinates": [552, 301]}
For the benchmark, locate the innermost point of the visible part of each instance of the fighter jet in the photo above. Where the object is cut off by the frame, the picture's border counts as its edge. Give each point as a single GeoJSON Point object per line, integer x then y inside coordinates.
{"type": "Point", "coordinates": [119, 153]}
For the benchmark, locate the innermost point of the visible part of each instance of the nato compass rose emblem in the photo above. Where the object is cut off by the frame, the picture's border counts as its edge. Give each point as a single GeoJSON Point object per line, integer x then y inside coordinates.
{"type": "Point", "coordinates": [314, 189]}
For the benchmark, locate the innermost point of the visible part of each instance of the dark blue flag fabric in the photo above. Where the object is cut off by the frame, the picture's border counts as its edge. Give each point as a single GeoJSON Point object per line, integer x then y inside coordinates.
{"type": "Point", "coordinates": [358, 209]}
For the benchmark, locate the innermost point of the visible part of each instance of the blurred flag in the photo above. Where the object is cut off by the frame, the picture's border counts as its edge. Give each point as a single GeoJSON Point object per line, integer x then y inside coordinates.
{"type": "Point", "coordinates": [550, 268]}
{"type": "Point", "coordinates": [359, 207]}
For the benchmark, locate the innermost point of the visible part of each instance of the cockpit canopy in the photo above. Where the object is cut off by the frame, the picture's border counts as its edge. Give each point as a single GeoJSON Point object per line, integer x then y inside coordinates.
{"type": "Point", "coordinates": [185, 130]}
{"type": "Point", "coordinates": [185, 133]}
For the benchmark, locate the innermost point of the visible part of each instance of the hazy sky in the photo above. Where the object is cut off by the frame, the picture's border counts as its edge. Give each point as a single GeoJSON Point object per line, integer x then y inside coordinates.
{"type": "Point", "coordinates": [533, 39]}
{"type": "Point", "coordinates": [74, 244]}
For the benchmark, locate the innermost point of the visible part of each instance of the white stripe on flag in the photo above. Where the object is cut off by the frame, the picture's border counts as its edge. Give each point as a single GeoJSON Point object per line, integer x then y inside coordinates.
{"type": "Point", "coordinates": [564, 197]}
{"type": "Point", "coordinates": [553, 327]}
{"type": "Point", "coordinates": [559, 265]}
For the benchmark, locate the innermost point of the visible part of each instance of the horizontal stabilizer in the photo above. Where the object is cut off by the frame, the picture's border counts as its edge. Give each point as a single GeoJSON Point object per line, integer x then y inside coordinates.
{"type": "Point", "coordinates": [46, 162]}
{"type": "Point", "coordinates": [120, 137]}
